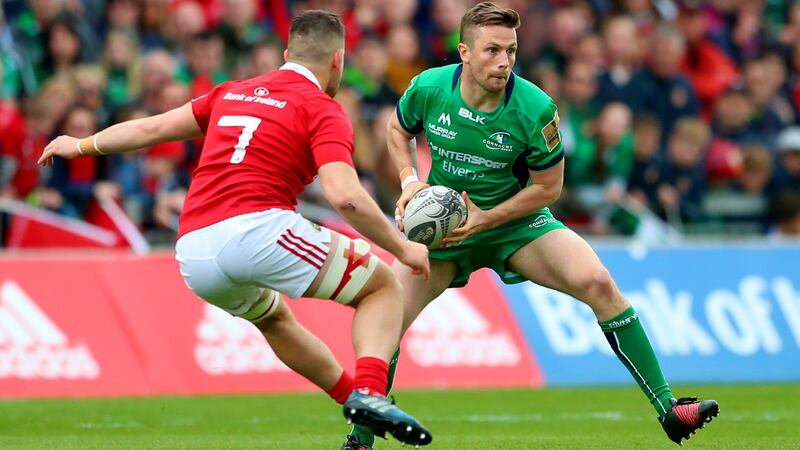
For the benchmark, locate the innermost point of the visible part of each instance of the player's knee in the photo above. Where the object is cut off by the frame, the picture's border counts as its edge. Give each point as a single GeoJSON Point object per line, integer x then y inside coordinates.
{"type": "Point", "coordinates": [597, 286]}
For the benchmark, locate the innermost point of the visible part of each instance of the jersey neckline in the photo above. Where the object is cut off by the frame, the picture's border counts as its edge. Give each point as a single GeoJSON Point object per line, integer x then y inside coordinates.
{"type": "Point", "coordinates": [491, 115]}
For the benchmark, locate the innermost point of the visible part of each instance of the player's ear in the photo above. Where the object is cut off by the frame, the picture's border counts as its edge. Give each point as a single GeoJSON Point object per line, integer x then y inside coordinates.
{"type": "Point", "coordinates": [463, 51]}
{"type": "Point", "coordinates": [286, 55]}
{"type": "Point", "coordinates": [338, 59]}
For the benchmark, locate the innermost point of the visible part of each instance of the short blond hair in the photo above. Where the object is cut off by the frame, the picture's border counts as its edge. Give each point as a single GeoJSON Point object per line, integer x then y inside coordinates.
{"type": "Point", "coordinates": [485, 14]}
{"type": "Point", "coordinates": [693, 130]}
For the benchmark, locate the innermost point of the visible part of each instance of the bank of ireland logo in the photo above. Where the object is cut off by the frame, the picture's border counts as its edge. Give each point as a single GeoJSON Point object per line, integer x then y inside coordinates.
{"type": "Point", "coordinates": [499, 140]}
{"type": "Point", "coordinates": [262, 91]}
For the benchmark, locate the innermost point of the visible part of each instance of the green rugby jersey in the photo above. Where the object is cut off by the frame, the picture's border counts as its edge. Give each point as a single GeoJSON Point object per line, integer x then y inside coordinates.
{"type": "Point", "coordinates": [486, 154]}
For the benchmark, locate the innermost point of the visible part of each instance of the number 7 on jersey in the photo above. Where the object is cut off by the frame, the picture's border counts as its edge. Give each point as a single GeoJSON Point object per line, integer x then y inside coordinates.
{"type": "Point", "coordinates": [249, 125]}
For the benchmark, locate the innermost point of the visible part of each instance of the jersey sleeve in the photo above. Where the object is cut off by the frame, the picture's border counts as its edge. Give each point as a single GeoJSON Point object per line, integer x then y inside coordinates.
{"type": "Point", "coordinates": [411, 107]}
{"type": "Point", "coordinates": [545, 149]}
{"type": "Point", "coordinates": [331, 136]}
{"type": "Point", "coordinates": [202, 105]}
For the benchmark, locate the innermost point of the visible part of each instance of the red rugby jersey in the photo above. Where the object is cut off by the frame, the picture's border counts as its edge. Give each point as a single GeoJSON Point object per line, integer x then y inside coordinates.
{"type": "Point", "coordinates": [265, 139]}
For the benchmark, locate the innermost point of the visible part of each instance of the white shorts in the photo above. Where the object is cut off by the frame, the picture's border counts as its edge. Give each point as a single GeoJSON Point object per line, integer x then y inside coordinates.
{"type": "Point", "coordinates": [230, 263]}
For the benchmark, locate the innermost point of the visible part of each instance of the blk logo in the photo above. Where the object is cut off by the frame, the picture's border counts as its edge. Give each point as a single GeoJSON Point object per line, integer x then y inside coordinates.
{"type": "Point", "coordinates": [467, 114]}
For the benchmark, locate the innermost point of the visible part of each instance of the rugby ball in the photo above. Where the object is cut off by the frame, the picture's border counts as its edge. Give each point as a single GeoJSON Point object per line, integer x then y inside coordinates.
{"type": "Point", "coordinates": [432, 213]}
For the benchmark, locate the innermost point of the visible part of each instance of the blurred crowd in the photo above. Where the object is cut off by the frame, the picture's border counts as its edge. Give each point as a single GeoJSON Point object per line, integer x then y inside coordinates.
{"type": "Point", "coordinates": [679, 113]}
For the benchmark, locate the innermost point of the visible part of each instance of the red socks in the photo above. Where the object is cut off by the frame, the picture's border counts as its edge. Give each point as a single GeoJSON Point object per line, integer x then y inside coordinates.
{"type": "Point", "coordinates": [371, 373]}
{"type": "Point", "coordinates": [342, 389]}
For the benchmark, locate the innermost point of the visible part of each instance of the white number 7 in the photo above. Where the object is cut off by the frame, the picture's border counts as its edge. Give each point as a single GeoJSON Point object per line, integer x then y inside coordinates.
{"type": "Point", "coordinates": [249, 124]}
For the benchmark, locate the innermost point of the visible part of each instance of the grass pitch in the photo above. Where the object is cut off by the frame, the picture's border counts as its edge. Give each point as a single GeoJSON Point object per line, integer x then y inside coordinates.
{"type": "Point", "coordinates": [615, 418]}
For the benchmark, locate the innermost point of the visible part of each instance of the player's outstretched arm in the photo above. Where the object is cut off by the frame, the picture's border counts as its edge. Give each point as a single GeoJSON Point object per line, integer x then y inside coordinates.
{"type": "Point", "coordinates": [543, 191]}
{"type": "Point", "coordinates": [403, 151]}
{"type": "Point", "coordinates": [175, 125]}
{"type": "Point", "coordinates": [345, 193]}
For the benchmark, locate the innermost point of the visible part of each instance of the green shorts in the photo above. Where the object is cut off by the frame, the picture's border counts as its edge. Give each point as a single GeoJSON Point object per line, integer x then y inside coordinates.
{"type": "Point", "coordinates": [492, 248]}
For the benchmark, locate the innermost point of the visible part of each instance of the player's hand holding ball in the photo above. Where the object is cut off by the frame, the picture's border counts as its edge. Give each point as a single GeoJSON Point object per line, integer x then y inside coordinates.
{"type": "Point", "coordinates": [432, 214]}
{"type": "Point", "coordinates": [409, 191]}
{"type": "Point", "coordinates": [477, 220]}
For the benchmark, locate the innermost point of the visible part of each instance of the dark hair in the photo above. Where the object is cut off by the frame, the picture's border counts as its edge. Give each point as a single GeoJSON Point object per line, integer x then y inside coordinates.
{"type": "Point", "coordinates": [315, 35]}
{"type": "Point", "coordinates": [485, 14]}
{"type": "Point", "coordinates": [68, 23]}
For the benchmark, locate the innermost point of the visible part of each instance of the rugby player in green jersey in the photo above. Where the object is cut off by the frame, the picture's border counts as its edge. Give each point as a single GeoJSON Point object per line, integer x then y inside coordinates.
{"type": "Point", "coordinates": [494, 137]}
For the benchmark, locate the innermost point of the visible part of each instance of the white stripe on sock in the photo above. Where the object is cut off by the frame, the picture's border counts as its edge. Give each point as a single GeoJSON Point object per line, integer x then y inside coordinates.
{"type": "Point", "coordinates": [619, 347]}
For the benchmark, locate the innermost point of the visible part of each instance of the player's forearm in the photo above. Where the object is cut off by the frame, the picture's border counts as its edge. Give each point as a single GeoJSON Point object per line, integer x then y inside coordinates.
{"type": "Point", "coordinates": [127, 136]}
{"type": "Point", "coordinates": [174, 125]}
{"type": "Point", "coordinates": [402, 148]}
{"type": "Point", "coordinates": [524, 203]}
{"type": "Point", "coordinates": [360, 211]}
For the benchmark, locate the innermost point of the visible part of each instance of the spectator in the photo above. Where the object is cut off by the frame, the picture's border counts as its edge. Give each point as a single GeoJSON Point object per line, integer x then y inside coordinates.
{"type": "Point", "coordinates": [129, 171]}
{"type": "Point", "coordinates": [732, 118]}
{"type": "Point", "coordinates": [75, 183]}
{"type": "Point", "coordinates": [90, 81]}
{"type": "Point", "coordinates": [682, 183]}
{"type": "Point", "coordinates": [186, 19]}
{"type": "Point", "coordinates": [264, 57]}
{"type": "Point", "coordinates": [565, 27]}
{"type": "Point", "coordinates": [363, 152]}
{"type": "Point", "coordinates": [709, 69]}
{"type": "Point", "coordinates": [123, 15]}
{"type": "Point", "coordinates": [788, 173]}
{"type": "Point", "coordinates": [668, 94]}
{"type": "Point", "coordinates": [27, 29]}
{"type": "Point", "coordinates": [599, 168]}
{"type": "Point", "coordinates": [621, 80]}
{"type": "Point", "coordinates": [761, 90]}
{"type": "Point", "coordinates": [747, 200]}
{"type": "Point", "coordinates": [785, 210]}
{"type": "Point", "coordinates": [152, 24]}
{"type": "Point", "coordinates": [204, 64]}
{"type": "Point", "coordinates": [548, 79]}
{"type": "Point", "coordinates": [777, 76]}
{"type": "Point", "coordinates": [579, 107]}
{"type": "Point", "coordinates": [443, 39]}
{"type": "Point", "coordinates": [367, 76]}
{"type": "Point", "coordinates": [55, 98]}
{"type": "Point", "coordinates": [400, 12]}
{"type": "Point", "coordinates": [646, 169]}
{"type": "Point", "coordinates": [18, 176]}
{"type": "Point", "coordinates": [404, 60]}
{"type": "Point", "coordinates": [123, 68]}
{"type": "Point", "coordinates": [62, 49]}
{"type": "Point", "coordinates": [240, 30]}
{"type": "Point", "coordinates": [589, 49]}
{"type": "Point", "coordinates": [642, 13]}
{"type": "Point", "coordinates": [158, 69]}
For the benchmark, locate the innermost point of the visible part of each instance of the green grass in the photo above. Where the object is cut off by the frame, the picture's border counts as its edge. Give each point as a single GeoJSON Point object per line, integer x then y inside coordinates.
{"type": "Point", "coordinates": [617, 418]}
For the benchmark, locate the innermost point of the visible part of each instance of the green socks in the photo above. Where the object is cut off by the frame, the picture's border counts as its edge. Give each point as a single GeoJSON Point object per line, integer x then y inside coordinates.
{"type": "Point", "coordinates": [364, 434]}
{"type": "Point", "coordinates": [629, 341]}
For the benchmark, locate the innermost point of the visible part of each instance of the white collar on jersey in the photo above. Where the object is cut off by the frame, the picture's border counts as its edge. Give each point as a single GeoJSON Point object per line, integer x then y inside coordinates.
{"type": "Point", "coordinates": [302, 70]}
